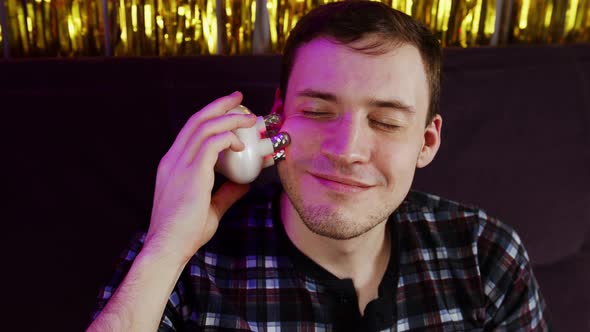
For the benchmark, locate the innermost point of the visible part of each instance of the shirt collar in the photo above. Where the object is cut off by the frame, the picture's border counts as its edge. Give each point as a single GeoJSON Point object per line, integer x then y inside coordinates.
{"type": "Point", "coordinates": [382, 308]}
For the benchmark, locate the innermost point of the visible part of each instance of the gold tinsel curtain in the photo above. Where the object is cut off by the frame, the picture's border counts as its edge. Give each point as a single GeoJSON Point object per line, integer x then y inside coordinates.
{"type": "Point", "coordinates": [31, 28]}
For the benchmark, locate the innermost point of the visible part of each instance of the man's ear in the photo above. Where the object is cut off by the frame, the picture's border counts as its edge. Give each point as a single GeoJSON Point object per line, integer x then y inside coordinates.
{"type": "Point", "coordinates": [432, 140]}
{"type": "Point", "coordinates": [277, 106]}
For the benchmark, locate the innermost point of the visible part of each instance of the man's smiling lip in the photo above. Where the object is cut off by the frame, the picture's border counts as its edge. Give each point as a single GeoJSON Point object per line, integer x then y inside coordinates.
{"type": "Point", "coordinates": [340, 183]}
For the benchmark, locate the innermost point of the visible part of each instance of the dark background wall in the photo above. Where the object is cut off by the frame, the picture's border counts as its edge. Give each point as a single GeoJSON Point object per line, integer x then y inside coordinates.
{"type": "Point", "coordinates": [82, 139]}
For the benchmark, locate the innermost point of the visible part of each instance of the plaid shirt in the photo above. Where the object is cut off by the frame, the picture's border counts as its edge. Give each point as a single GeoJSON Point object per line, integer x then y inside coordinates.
{"type": "Point", "coordinates": [452, 268]}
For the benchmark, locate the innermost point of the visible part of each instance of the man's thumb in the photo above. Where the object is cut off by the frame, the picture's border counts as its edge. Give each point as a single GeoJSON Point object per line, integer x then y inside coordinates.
{"type": "Point", "coordinates": [226, 196]}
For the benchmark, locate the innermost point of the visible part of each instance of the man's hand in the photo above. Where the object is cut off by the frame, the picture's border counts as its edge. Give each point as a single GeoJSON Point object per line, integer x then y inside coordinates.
{"type": "Point", "coordinates": [185, 214]}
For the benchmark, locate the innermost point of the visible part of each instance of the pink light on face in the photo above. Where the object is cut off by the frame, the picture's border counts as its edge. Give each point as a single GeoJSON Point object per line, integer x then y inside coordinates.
{"type": "Point", "coordinates": [341, 186]}
{"type": "Point", "coordinates": [357, 124]}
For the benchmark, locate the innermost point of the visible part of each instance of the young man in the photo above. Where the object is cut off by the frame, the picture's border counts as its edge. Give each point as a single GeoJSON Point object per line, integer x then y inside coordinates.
{"type": "Point", "coordinates": [342, 244]}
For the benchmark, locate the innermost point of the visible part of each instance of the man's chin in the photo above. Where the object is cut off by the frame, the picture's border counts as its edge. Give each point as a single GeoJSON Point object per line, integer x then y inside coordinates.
{"type": "Point", "coordinates": [338, 234]}
{"type": "Point", "coordinates": [335, 224]}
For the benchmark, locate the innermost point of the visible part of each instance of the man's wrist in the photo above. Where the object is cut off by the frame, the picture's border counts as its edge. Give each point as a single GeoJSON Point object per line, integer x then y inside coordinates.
{"type": "Point", "coordinates": [165, 258]}
{"type": "Point", "coordinates": [140, 300]}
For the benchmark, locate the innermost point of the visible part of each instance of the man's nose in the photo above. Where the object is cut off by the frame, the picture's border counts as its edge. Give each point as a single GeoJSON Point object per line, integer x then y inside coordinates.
{"type": "Point", "coordinates": [347, 140]}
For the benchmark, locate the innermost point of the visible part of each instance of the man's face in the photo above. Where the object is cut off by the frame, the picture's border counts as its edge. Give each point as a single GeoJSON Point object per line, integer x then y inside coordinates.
{"type": "Point", "coordinates": [356, 123]}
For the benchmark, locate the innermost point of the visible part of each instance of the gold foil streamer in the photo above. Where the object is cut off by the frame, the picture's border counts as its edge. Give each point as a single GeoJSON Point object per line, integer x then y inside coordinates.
{"type": "Point", "coordinates": [2, 31]}
{"type": "Point", "coordinates": [551, 21]}
{"type": "Point", "coordinates": [17, 28]}
{"type": "Point", "coordinates": [401, 5]}
{"type": "Point", "coordinates": [200, 27]}
{"type": "Point", "coordinates": [54, 27]}
{"type": "Point", "coordinates": [577, 22]}
{"type": "Point", "coordinates": [435, 15]}
{"type": "Point", "coordinates": [187, 27]}
{"type": "Point", "coordinates": [288, 13]}
{"type": "Point", "coordinates": [472, 22]}
{"type": "Point", "coordinates": [133, 27]}
{"type": "Point", "coordinates": [237, 20]}
{"type": "Point", "coordinates": [532, 20]}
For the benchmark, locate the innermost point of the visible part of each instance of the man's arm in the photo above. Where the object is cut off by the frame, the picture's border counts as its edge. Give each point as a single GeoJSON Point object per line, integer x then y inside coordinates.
{"type": "Point", "coordinates": [512, 296]}
{"type": "Point", "coordinates": [139, 302]}
{"type": "Point", "coordinates": [185, 216]}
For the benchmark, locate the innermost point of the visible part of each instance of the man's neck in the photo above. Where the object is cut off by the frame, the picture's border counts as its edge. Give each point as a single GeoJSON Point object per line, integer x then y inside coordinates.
{"type": "Point", "coordinates": [363, 259]}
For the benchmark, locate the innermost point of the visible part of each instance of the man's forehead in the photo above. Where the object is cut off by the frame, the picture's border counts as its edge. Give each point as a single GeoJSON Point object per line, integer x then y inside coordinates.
{"type": "Point", "coordinates": [324, 60]}
{"type": "Point", "coordinates": [325, 70]}
{"type": "Point", "coordinates": [376, 44]}
{"type": "Point", "coordinates": [323, 52]}
{"type": "Point", "coordinates": [370, 44]}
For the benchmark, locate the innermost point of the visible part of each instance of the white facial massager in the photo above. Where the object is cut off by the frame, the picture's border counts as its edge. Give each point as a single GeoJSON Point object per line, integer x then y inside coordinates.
{"type": "Point", "coordinates": [263, 146]}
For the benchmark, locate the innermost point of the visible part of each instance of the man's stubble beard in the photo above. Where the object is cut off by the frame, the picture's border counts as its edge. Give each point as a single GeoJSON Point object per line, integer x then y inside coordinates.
{"type": "Point", "coordinates": [328, 222]}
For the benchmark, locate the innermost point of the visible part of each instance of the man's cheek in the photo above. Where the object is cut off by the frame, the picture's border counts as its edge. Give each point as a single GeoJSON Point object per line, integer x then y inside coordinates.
{"type": "Point", "coordinates": [306, 130]}
{"type": "Point", "coordinates": [294, 134]}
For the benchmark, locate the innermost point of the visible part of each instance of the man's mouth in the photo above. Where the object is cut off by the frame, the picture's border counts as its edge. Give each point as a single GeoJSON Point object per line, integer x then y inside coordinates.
{"type": "Point", "coordinates": [341, 184]}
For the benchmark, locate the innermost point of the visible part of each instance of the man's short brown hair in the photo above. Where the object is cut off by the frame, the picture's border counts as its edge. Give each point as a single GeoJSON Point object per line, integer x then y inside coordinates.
{"type": "Point", "coordinates": [349, 21]}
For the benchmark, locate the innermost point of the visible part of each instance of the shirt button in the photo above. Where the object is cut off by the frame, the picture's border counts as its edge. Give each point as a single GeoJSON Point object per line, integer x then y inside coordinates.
{"type": "Point", "coordinates": [344, 300]}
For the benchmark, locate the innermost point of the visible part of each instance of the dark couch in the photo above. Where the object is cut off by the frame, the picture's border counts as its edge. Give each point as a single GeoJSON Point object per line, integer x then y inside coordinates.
{"type": "Point", "coordinates": [83, 137]}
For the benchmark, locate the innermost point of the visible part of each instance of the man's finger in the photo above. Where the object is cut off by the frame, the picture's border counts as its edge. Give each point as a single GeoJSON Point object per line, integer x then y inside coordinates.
{"type": "Point", "coordinates": [206, 154]}
{"type": "Point", "coordinates": [213, 127]}
{"type": "Point", "coordinates": [218, 107]}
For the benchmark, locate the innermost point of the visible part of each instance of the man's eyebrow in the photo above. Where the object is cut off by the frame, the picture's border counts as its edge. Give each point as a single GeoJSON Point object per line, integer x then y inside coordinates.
{"type": "Point", "coordinates": [393, 104]}
{"type": "Point", "coordinates": [317, 94]}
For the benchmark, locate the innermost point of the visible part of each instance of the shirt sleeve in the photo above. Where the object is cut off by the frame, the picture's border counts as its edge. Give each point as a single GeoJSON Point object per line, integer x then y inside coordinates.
{"type": "Point", "coordinates": [512, 298]}
{"type": "Point", "coordinates": [171, 319]}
